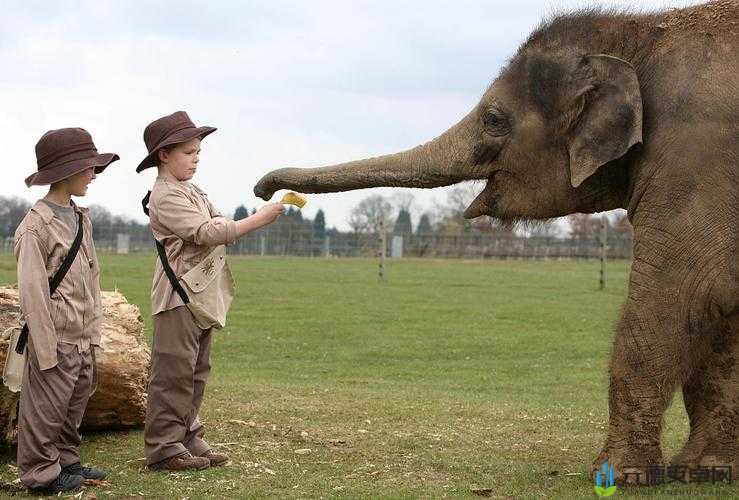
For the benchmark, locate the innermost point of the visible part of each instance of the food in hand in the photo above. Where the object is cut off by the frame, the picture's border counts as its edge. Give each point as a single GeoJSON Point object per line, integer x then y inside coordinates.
{"type": "Point", "coordinates": [294, 199]}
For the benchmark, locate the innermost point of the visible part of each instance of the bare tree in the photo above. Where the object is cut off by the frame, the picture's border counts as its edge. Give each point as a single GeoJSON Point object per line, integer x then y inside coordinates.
{"type": "Point", "coordinates": [451, 216]}
{"type": "Point", "coordinates": [585, 226]}
{"type": "Point", "coordinates": [12, 211]}
{"type": "Point", "coordinates": [102, 222]}
{"type": "Point", "coordinates": [371, 212]}
{"type": "Point", "coordinates": [544, 229]}
{"type": "Point", "coordinates": [622, 226]}
{"type": "Point", "coordinates": [460, 197]}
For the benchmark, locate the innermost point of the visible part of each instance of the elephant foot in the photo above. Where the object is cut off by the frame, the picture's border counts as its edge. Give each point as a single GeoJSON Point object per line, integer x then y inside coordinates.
{"type": "Point", "coordinates": [701, 462]}
{"type": "Point", "coordinates": [631, 466]}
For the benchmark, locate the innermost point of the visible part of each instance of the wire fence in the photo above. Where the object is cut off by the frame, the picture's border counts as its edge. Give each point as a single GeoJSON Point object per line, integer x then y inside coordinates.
{"type": "Point", "coordinates": [335, 244]}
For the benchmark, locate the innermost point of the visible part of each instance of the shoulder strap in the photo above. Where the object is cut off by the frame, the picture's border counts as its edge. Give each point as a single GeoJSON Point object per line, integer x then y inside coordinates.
{"type": "Point", "coordinates": [55, 280]}
{"type": "Point", "coordinates": [71, 255]}
{"type": "Point", "coordinates": [163, 258]}
{"type": "Point", "coordinates": [170, 274]}
{"type": "Point", "coordinates": [145, 202]}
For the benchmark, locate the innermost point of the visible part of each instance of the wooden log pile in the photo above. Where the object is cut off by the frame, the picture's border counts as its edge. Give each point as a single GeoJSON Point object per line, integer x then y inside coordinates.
{"type": "Point", "coordinates": [122, 367]}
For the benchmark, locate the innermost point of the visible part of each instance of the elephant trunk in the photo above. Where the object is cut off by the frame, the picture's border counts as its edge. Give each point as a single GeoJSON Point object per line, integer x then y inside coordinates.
{"type": "Point", "coordinates": [446, 160]}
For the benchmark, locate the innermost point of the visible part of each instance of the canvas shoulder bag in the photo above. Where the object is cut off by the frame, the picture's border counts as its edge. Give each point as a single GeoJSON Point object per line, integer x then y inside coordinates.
{"type": "Point", "coordinates": [207, 289]}
{"type": "Point", "coordinates": [16, 358]}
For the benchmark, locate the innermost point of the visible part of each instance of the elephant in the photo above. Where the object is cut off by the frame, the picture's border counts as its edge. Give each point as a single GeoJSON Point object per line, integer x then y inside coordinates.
{"type": "Point", "coordinates": [598, 110]}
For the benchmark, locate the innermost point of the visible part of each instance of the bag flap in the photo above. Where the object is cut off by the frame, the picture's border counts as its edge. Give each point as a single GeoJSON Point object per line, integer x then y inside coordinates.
{"type": "Point", "coordinates": [199, 277]}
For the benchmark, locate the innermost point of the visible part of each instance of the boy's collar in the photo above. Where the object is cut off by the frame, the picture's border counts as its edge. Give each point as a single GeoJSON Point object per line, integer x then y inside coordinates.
{"type": "Point", "coordinates": [47, 213]}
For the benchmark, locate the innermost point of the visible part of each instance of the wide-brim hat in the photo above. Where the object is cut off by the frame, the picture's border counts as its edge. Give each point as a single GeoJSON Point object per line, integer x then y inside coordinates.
{"type": "Point", "coordinates": [64, 152]}
{"type": "Point", "coordinates": [168, 130]}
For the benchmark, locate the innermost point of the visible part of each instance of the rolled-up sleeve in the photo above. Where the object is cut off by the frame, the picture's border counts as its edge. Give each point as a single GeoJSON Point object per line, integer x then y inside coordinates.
{"type": "Point", "coordinates": [33, 288]}
{"type": "Point", "coordinates": [178, 214]}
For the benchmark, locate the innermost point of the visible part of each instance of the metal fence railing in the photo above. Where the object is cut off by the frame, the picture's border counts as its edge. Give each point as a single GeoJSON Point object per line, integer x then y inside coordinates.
{"type": "Point", "coordinates": [467, 246]}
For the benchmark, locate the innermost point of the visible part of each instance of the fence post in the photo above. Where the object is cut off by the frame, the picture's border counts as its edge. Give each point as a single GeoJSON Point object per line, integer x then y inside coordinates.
{"type": "Point", "coordinates": [383, 250]}
{"type": "Point", "coordinates": [122, 242]}
{"type": "Point", "coordinates": [262, 245]}
{"type": "Point", "coordinates": [603, 250]}
{"type": "Point", "coordinates": [396, 248]}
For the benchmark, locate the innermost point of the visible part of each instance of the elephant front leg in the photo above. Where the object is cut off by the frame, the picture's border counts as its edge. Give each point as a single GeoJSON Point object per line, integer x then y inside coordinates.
{"type": "Point", "coordinates": [711, 398]}
{"type": "Point", "coordinates": [643, 377]}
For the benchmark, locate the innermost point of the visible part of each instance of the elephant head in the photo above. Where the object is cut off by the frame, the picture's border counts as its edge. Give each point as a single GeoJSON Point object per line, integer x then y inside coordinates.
{"type": "Point", "coordinates": [540, 136]}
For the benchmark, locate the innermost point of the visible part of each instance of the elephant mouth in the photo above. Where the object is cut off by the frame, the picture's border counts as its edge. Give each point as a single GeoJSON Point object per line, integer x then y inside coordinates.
{"type": "Point", "coordinates": [484, 203]}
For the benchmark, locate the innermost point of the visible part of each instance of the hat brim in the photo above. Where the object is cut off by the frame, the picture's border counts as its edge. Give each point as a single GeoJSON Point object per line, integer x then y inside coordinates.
{"type": "Point", "coordinates": [176, 138]}
{"type": "Point", "coordinates": [50, 175]}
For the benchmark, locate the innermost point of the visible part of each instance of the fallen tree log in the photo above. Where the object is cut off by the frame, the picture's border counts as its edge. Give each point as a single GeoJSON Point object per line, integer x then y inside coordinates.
{"type": "Point", "coordinates": [122, 367]}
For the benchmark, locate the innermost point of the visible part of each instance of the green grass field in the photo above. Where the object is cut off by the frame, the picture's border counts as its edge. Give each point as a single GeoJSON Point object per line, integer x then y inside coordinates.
{"type": "Point", "coordinates": [453, 375]}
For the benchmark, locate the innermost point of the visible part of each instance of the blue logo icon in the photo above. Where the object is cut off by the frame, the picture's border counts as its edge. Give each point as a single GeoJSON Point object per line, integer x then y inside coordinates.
{"type": "Point", "coordinates": [605, 481]}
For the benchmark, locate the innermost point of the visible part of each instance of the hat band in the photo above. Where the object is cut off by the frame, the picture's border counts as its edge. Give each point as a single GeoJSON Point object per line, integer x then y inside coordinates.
{"type": "Point", "coordinates": [170, 132]}
{"type": "Point", "coordinates": [54, 156]}
{"type": "Point", "coordinates": [70, 157]}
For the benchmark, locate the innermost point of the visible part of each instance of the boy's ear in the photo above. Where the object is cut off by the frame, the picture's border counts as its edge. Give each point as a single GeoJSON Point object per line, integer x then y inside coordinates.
{"type": "Point", "coordinates": [162, 155]}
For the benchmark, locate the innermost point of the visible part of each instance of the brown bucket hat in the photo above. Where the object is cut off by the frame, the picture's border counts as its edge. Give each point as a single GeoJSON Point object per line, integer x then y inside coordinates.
{"type": "Point", "coordinates": [168, 130]}
{"type": "Point", "coordinates": [63, 152]}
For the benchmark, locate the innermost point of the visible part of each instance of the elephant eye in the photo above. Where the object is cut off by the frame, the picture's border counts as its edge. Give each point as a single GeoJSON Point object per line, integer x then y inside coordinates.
{"type": "Point", "coordinates": [495, 122]}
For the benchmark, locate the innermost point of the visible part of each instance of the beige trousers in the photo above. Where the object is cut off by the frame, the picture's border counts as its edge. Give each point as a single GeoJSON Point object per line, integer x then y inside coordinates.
{"type": "Point", "coordinates": [180, 364]}
{"type": "Point", "coordinates": [50, 411]}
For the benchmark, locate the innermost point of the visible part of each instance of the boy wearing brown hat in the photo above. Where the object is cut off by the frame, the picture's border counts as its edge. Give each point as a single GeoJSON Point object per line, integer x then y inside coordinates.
{"type": "Point", "coordinates": [52, 243]}
{"type": "Point", "coordinates": [187, 228]}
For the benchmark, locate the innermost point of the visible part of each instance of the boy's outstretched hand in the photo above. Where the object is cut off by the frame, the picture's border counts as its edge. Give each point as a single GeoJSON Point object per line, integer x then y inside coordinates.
{"type": "Point", "coordinates": [270, 212]}
{"type": "Point", "coordinates": [264, 216]}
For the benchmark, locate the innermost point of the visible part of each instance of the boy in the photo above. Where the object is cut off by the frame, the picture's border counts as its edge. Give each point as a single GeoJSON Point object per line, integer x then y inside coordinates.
{"type": "Point", "coordinates": [64, 327]}
{"type": "Point", "coordinates": [189, 227]}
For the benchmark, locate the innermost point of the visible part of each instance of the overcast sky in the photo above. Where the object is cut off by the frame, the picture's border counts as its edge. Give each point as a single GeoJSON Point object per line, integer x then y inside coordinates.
{"type": "Point", "coordinates": [299, 83]}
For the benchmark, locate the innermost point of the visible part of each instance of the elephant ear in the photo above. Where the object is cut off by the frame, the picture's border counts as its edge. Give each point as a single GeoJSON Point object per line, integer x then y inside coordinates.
{"type": "Point", "coordinates": [611, 119]}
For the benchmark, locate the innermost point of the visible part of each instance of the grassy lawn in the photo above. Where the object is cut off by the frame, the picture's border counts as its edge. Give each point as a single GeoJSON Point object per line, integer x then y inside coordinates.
{"type": "Point", "coordinates": [451, 376]}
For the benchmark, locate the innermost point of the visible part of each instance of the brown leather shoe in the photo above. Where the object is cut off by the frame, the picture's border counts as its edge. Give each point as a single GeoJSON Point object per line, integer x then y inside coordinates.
{"type": "Point", "coordinates": [215, 458]}
{"type": "Point", "coordinates": [184, 461]}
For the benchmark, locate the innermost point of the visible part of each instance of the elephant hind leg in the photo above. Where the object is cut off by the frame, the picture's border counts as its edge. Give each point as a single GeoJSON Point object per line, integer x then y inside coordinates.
{"type": "Point", "coordinates": [711, 398]}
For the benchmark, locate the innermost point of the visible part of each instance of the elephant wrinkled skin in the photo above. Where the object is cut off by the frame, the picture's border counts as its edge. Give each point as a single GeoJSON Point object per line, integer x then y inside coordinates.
{"type": "Point", "coordinates": [601, 110]}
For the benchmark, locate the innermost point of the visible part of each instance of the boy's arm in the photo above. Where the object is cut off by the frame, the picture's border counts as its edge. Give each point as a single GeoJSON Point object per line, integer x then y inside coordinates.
{"type": "Point", "coordinates": [33, 288]}
{"type": "Point", "coordinates": [176, 212]}
{"type": "Point", "coordinates": [263, 217]}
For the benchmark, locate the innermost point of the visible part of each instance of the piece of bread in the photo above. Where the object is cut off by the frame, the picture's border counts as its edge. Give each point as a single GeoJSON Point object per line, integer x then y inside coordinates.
{"type": "Point", "coordinates": [294, 199]}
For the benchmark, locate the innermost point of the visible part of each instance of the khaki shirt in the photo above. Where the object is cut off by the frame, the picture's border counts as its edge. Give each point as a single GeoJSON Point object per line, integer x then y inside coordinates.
{"type": "Point", "coordinates": [188, 225]}
{"type": "Point", "coordinates": [74, 314]}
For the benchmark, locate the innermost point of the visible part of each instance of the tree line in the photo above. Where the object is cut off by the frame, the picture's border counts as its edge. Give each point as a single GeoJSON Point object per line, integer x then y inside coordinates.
{"type": "Point", "coordinates": [398, 215]}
